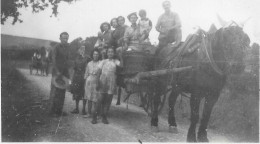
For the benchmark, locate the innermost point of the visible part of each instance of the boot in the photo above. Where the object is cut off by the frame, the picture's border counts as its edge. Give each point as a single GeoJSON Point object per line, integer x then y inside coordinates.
{"type": "Point", "coordinates": [104, 120]}
{"type": "Point", "coordinates": [94, 120]}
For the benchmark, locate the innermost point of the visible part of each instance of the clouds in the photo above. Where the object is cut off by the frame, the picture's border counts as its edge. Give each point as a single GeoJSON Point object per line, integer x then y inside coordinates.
{"type": "Point", "coordinates": [84, 17]}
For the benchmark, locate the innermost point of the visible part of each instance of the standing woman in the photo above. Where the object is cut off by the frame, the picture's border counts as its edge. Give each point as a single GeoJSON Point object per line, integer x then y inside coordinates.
{"type": "Point", "coordinates": [92, 79]}
{"type": "Point", "coordinates": [107, 82]}
{"type": "Point", "coordinates": [77, 86]}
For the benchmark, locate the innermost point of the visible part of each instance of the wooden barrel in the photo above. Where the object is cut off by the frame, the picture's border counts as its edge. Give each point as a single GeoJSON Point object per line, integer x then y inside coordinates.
{"type": "Point", "coordinates": [135, 62]}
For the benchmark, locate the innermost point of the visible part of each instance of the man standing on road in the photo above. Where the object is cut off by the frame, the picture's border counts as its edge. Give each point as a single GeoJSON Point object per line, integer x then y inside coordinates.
{"type": "Point", "coordinates": [169, 27]}
{"type": "Point", "coordinates": [60, 59]}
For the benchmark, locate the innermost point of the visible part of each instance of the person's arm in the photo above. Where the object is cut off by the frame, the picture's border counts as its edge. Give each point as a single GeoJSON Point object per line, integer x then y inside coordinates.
{"type": "Point", "coordinates": [86, 72]}
{"type": "Point", "coordinates": [151, 26]}
{"type": "Point", "coordinates": [126, 38]}
{"type": "Point", "coordinates": [99, 71]}
{"type": "Point", "coordinates": [54, 54]}
{"type": "Point", "coordinates": [118, 63]}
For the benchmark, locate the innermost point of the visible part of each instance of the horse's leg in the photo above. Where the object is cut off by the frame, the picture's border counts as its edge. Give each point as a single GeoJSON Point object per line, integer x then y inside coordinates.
{"type": "Point", "coordinates": [47, 69]}
{"type": "Point", "coordinates": [30, 69]}
{"type": "Point", "coordinates": [118, 95]}
{"type": "Point", "coordinates": [208, 106]}
{"type": "Point", "coordinates": [171, 116]}
{"type": "Point", "coordinates": [154, 120]}
{"type": "Point", "coordinates": [194, 105]}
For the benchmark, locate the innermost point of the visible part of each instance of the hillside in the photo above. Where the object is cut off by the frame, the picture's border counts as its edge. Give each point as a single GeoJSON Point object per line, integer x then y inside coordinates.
{"type": "Point", "coordinates": [24, 42]}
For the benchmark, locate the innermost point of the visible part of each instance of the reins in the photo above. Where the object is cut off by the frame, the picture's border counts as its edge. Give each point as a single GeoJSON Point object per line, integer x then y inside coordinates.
{"type": "Point", "coordinates": [210, 57]}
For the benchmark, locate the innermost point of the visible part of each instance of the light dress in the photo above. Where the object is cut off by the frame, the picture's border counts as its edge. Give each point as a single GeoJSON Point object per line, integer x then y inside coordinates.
{"type": "Point", "coordinates": [91, 75]}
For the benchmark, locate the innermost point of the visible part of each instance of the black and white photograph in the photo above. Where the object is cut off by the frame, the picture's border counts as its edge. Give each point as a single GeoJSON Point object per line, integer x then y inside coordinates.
{"type": "Point", "coordinates": [141, 71]}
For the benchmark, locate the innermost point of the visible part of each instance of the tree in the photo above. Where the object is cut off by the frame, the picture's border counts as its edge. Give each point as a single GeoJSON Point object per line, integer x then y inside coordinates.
{"type": "Point", "coordinates": [10, 8]}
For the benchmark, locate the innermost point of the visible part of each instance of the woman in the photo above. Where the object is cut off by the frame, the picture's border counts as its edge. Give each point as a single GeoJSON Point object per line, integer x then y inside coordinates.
{"type": "Point", "coordinates": [115, 33]}
{"type": "Point", "coordinates": [104, 38]}
{"type": "Point", "coordinates": [131, 37]}
{"type": "Point", "coordinates": [92, 78]}
{"type": "Point", "coordinates": [77, 85]}
{"type": "Point", "coordinates": [107, 85]}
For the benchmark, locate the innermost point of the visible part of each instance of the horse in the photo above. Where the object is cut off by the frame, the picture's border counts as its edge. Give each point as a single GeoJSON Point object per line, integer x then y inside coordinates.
{"type": "Point", "coordinates": [219, 55]}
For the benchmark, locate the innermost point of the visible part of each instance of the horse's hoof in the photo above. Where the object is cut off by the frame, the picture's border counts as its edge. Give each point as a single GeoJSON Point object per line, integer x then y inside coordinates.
{"type": "Point", "coordinates": [202, 136]}
{"type": "Point", "coordinates": [155, 129]}
{"type": "Point", "coordinates": [173, 129]}
{"type": "Point", "coordinates": [202, 139]}
{"type": "Point", "coordinates": [191, 138]}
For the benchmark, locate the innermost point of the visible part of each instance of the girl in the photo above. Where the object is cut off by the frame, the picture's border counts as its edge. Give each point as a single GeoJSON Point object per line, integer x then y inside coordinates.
{"type": "Point", "coordinates": [107, 82]}
{"type": "Point", "coordinates": [91, 76]}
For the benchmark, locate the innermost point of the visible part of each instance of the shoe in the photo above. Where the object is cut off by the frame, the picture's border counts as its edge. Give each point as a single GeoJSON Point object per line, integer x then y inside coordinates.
{"type": "Point", "coordinates": [105, 121]}
{"type": "Point", "coordinates": [94, 121]}
{"type": "Point", "coordinates": [75, 111]}
{"type": "Point", "coordinates": [84, 112]}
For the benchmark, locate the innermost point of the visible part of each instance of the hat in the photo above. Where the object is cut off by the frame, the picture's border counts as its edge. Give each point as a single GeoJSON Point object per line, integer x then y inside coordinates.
{"type": "Point", "coordinates": [134, 13]}
{"type": "Point", "coordinates": [104, 23]}
{"type": "Point", "coordinates": [61, 82]}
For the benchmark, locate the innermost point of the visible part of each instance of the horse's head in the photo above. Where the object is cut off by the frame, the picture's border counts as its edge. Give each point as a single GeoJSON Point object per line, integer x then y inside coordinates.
{"type": "Point", "coordinates": [233, 42]}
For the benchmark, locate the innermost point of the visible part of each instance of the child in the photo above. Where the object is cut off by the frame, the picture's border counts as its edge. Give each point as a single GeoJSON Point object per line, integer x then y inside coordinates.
{"type": "Point", "coordinates": [145, 25]}
{"type": "Point", "coordinates": [108, 82]}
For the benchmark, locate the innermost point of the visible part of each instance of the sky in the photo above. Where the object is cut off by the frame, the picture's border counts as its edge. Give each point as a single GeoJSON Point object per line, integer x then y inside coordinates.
{"type": "Point", "coordinates": [83, 18]}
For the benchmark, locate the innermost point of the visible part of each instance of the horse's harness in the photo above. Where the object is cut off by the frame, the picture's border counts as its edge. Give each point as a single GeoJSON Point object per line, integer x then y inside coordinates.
{"type": "Point", "coordinates": [207, 47]}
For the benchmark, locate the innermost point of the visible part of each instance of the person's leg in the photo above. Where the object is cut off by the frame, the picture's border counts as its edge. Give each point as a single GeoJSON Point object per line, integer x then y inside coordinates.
{"type": "Point", "coordinates": [76, 110]}
{"type": "Point", "coordinates": [60, 97]}
{"type": "Point", "coordinates": [109, 101]}
{"type": "Point", "coordinates": [106, 104]}
{"type": "Point", "coordinates": [84, 107]}
{"type": "Point", "coordinates": [97, 108]}
{"type": "Point", "coordinates": [89, 107]}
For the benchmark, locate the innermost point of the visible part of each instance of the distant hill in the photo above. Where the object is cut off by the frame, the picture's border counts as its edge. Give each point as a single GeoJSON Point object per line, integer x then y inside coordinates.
{"type": "Point", "coordinates": [20, 42]}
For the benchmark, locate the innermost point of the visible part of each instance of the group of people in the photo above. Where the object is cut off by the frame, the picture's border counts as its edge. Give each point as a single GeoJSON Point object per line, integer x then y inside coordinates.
{"type": "Point", "coordinates": [94, 77]}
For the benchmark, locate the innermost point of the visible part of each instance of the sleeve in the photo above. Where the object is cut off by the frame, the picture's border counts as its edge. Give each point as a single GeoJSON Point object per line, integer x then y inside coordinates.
{"type": "Point", "coordinates": [97, 43]}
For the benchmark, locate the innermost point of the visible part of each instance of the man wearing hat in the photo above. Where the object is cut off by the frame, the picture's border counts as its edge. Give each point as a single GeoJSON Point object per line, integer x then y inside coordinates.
{"type": "Point", "coordinates": [169, 27]}
{"type": "Point", "coordinates": [60, 74]}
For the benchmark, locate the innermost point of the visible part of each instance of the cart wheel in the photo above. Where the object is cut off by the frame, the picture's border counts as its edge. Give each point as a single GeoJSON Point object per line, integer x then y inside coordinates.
{"type": "Point", "coordinates": [147, 101]}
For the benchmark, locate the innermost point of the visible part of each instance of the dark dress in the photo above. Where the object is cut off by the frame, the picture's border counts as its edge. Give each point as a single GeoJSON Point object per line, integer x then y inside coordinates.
{"type": "Point", "coordinates": [77, 85]}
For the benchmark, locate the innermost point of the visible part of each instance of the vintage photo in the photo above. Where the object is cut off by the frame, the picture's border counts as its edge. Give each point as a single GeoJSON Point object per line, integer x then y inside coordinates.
{"type": "Point", "coordinates": [138, 71]}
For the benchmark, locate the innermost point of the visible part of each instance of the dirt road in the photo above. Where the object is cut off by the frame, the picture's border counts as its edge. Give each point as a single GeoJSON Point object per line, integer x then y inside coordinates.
{"type": "Point", "coordinates": [126, 125]}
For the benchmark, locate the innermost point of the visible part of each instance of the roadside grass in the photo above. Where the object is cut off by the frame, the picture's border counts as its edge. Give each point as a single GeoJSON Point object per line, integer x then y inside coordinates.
{"type": "Point", "coordinates": [21, 114]}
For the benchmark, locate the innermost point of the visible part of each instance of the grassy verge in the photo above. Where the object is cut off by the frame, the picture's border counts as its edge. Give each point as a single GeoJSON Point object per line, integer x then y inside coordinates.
{"type": "Point", "coordinates": [21, 114]}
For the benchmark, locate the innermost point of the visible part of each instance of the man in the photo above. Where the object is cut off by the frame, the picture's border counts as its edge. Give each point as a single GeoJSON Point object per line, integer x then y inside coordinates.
{"type": "Point", "coordinates": [60, 59]}
{"type": "Point", "coordinates": [169, 27]}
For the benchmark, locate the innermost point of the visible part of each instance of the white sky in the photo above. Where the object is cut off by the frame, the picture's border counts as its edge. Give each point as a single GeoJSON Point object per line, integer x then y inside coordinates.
{"type": "Point", "coordinates": [83, 18]}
